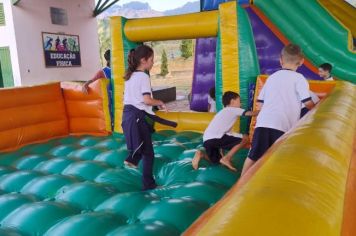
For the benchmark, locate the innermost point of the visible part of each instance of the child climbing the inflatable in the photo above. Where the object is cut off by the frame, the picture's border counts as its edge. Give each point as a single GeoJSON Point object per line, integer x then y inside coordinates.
{"type": "Point", "coordinates": [138, 104]}
{"type": "Point", "coordinates": [218, 135]}
{"type": "Point", "coordinates": [281, 98]}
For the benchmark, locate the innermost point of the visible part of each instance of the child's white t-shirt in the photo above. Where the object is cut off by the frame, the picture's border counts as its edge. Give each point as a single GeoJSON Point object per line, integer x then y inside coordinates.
{"type": "Point", "coordinates": [212, 104]}
{"type": "Point", "coordinates": [222, 122]}
{"type": "Point", "coordinates": [138, 85]}
{"type": "Point", "coordinates": [282, 97]}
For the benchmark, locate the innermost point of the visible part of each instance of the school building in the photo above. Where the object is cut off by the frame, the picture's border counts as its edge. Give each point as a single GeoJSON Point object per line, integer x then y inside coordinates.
{"type": "Point", "coordinates": [52, 40]}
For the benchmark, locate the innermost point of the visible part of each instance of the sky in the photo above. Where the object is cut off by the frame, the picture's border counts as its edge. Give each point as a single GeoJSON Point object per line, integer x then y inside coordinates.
{"type": "Point", "coordinates": [352, 2]}
{"type": "Point", "coordinates": [160, 5]}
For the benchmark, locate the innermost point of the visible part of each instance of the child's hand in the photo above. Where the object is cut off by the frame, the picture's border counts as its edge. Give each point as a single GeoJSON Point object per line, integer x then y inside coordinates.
{"type": "Point", "coordinates": [163, 107]}
{"type": "Point", "coordinates": [85, 88]}
{"type": "Point", "coordinates": [321, 95]}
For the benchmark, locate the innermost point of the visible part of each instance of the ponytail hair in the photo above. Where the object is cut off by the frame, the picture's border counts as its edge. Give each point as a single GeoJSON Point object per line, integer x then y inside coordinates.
{"type": "Point", "coordinates": [132, 64]}
{"type": "Point", "coordinates": [134, 59]}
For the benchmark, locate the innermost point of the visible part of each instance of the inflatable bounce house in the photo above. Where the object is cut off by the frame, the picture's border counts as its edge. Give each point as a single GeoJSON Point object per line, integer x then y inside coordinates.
{"type": "Point", "coordinates": [61, 165]}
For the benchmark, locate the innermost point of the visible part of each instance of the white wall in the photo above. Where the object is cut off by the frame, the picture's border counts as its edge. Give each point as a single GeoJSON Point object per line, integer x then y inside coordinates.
{"type": "Point", "coordinates": [32, 17]}
{"type": "Point", "coordinates": [7, 39]}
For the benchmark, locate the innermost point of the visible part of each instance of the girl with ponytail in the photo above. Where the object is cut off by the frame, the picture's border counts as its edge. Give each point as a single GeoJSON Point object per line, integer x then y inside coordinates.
{"type": "Point", "coordinates": [138, 104]}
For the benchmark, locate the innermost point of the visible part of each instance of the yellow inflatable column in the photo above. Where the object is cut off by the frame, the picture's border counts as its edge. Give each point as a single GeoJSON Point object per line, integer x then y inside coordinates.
{"type": "Point", "coordinates": [229, 47]}
{"type": "Point", "coordinates": [120, 48]}
{"type": "Point", "coordinates": [104, 83]}
{"type": "Point", "coordinates": [118, 69]}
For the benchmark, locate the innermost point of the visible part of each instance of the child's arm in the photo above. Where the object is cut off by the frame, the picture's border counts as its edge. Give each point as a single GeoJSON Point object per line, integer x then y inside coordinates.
{"type": "Point", "coordinates": [303, 92]}
{"type": "Point", "coordinates": [259, 106]}
{"type": "Point", "coordinates": [146, 92]}
{"type": "Point", "coordinates": [97, 76]}
{"type": "Point", "coordinates": [309, 104]}
{"type": "Point", "coordinates": [148, 100]}
{"type": "Point", "coordinates": [251, 113]}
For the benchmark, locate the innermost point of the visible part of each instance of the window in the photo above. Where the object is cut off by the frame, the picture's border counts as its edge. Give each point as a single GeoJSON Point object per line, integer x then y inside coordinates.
{"type": "Point", "coordinates": [6, 77]}
{"type": "Point", "coordinates": [59, 16]}
{"type": "Point", "coordinates": [2, 14]}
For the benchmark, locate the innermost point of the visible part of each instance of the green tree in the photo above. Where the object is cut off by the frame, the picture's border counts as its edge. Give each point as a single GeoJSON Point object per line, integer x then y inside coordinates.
{"type": "Point", "coordinates": [164, 64]}
{"type": "Point", "coordinates": [186, 48]}
{"type": "Point", "coordinates": [104, 37]}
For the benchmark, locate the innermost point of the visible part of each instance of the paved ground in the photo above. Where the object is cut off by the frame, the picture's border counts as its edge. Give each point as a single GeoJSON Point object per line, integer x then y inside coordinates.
{"type": "Point", "coordinates": [178, 105]}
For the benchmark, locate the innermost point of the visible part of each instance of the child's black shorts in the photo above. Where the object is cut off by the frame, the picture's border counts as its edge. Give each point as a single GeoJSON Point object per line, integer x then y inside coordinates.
{"type": "Point", "coordinates": [303, 112]}
{"type": "Point", "coordinates": [213, 146]}
{"type": "Point", "coordinates": [263, 138]}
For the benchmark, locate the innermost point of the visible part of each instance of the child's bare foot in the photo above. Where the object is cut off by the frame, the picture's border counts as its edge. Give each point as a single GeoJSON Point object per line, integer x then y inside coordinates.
{"type": "Point", "coordinates": [227, 163]}
{"type": "Point", "coordinates": [129, 164]}
{"type": "Point", "coordinates": [196, 159]}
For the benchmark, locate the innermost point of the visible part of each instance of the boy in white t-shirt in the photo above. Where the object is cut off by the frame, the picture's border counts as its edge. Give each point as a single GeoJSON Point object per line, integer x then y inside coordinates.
{"type": "Point", "coordinates": [325, 71]}
{"type": "Point", "coordinates": [281, 98]}
{"type": "Point", "coordinates": [218, 135]}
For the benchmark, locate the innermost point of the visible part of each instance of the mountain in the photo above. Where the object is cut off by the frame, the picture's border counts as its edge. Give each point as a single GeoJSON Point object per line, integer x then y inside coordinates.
{"type": "Point", "coordinates": [131, 10]}
{"type": "Point", "coordinates": [141, 10]}
{"type": "Point", "coordinates": [189, 7]}
{"type": "Point", "coordinates": [137, 6]}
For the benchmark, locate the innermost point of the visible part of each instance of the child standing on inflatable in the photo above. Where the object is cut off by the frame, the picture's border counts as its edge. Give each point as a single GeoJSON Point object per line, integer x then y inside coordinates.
{"type": "Point", "coordinates": [281, 98]}
{"type": "Point", "coordinates": [137, 103]}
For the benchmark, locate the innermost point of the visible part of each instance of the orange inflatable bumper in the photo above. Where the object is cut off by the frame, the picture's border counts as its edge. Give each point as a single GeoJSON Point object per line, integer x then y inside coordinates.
{"type": "Point", "coordinates": [36, 114]}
